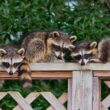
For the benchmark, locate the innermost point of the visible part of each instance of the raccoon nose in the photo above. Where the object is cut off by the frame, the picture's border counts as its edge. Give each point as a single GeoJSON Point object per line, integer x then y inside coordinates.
{"type": "Point", "coordinates": [10, 73]}
{"type": "Point", "coordinates": [82, 63]}
{"type": "Point", "coordinates": [59, 57]}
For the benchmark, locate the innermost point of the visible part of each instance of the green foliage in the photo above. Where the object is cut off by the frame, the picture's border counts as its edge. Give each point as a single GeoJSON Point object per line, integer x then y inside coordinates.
{"type": "Point", "coordinates": [88, 19]}
{"type": "Point", "coordinates": [57, 87]}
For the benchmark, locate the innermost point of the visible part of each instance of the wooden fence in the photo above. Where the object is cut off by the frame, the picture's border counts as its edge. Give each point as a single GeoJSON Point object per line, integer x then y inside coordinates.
{"type": "Point", "coordinates": [84, 86]}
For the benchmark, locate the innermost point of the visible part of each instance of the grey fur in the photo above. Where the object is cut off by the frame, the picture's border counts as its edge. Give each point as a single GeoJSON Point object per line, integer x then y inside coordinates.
{"type": "Point", "coordinates": [38, 45]}
{"type": "Point", "coordinates": [104, 50]}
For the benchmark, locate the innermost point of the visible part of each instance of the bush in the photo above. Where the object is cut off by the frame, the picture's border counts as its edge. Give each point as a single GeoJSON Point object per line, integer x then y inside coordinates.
{"type": "Point", "coordinates": [84, 18]}
{"type": "Point", "coordinates": [88, 19]}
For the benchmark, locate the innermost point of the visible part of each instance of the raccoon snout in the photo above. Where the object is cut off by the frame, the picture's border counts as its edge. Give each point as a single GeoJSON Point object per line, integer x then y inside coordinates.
{"type": "Point", "coordinates": [10, 73]}
{"type": "Point", "coordinates": [59, 57]}
{"type": "Point", "coordinates": [82, 63]}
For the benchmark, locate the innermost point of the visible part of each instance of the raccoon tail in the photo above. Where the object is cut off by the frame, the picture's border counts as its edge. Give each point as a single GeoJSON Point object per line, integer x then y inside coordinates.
{"type": "Point", "coordinates": [25, 75]}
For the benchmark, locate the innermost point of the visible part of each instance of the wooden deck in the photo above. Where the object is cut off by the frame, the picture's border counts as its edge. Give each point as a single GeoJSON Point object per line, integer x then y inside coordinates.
{"type": "Point", "coordinates": [84, 86]}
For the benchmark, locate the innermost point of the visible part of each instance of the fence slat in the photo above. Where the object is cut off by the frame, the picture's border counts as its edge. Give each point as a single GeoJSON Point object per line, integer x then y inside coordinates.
{"type": "Point", "coordinates": [82, 90]}
{"type": "Point", "coordinates": [105, 103]}
{"type": "Point", "coordinates": [96, 93]}
{"type": "Point", "coordinates": [69, 94]}
{"type": "Point", "coordinates": [20, 100]}
{"type": "Point", "coordinates": [53, 101]}
{"type": "Point", "coordinates": [30, 98]}
{"type": "Point", "coordinates": [62, 99]}
{"type": "Point", "coordinates": [107, 83]}
{"type": "Point", "coordinates": [2, 95]}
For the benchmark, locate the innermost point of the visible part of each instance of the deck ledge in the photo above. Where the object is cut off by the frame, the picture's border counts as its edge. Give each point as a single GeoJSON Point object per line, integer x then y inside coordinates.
{"type": "Point", "coordinates": [60, 71]}
{"type": "Point", "coordinates": [67, 66]}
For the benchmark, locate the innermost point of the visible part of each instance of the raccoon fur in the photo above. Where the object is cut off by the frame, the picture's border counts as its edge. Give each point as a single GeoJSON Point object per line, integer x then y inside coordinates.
{"type": "Point", "coordinates": [84, 52]}
{"type": "Point", "coordinates": [104, 50]}
{"type": "Point", "coordinates": [42, 45]}
{"type": "Point", "coordinates": [45, 46]}
{"type": "Point", "coordinates": [11, 58]}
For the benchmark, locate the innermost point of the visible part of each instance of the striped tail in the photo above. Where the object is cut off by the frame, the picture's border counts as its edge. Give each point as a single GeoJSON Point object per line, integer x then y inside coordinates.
{"type": "Point", "coordinates": [25, 75]}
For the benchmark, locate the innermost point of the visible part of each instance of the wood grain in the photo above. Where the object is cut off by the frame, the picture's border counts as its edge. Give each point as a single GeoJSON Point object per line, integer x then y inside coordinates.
{"type": "Point", "coordinates": [96, 93]}
{"type": "Point", "coordinates": [82, 90]}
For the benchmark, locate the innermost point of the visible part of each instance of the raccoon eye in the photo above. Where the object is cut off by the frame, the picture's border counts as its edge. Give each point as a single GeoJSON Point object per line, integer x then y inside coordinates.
{"type": "Point", "coordinates": [65, 50]}
{"type": "Point", "coordinates": [17, 64]}
{"type": "Point", "coordinates": [5, 64]}
{"type": "Point", "coordinates": [56, 47]}
{"type": "Point", "coordinates": [78, 57]}
{"type": "Point", "coordinates": [87, 56]}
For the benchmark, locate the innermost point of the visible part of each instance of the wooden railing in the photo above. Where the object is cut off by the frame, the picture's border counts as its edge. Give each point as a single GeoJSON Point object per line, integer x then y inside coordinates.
{"type": "Point", "coordinates": [84, 86]}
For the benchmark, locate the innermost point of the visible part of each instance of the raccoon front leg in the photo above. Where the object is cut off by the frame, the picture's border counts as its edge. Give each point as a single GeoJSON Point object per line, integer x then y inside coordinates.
{"type": "Point", "coordinates": [95, 60]}
{"type": "Point", "coordinates": [25, 75]}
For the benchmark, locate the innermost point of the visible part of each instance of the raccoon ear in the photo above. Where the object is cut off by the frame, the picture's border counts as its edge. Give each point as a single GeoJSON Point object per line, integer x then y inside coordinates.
{"type": "Point", "coordinates": [72, 48]}
{"type": "Point", "coordinates": [2, 52]}
{"type": "Point", "coordinates": [56, 34]}
{"type": "Point", "coordinates": [21, 51]}
{"type": "Point", "coordinates": [73, 38]}
{"type": "Point", "coordinates": [93, 44]}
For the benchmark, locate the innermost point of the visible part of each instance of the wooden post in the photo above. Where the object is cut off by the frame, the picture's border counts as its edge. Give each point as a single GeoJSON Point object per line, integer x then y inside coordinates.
{"type": "Point", "coordinates": [82, 90]}
{"type": "Point", "coordinates": [69, 94]}
{"type": "Point", "coordinates": [96, 93]}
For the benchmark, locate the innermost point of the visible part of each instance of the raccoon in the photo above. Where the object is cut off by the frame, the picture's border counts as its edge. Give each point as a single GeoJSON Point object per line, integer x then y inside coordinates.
{"type": "Point", "coordinates": [103, 51]}
{"type": "Point", "coordinates": [45, 46]}
{"type": "Point", "coordinates": [84, 52]}
{"type": "Point", "coordinates": [11, 58]}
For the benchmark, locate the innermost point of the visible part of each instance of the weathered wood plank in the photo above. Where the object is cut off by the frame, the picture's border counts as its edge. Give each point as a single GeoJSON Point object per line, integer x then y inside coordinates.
{"type": "Point", "coordinates": [82, 92]}
{"type": "Point", "coordinates": [62, 99]}
{"type": "Point", "coordinates": [40, 75]}
{"type": "Point", "coordinates": [69, 94]}
{"type": "Point", "coordinates": [96, 93]}
{"type": "Point", "coordinates": [52, 75]}
{"type": "Point", "coordinates": [29, 99]}
{"type": "Point", "coordinates": [20, 100]}
{"type": "Point", "coordinates": [2, 95]}
{"type": "Point", "coordinates": [102, 74]}
{"type": "Point", "coordinates": [107, 83]}
{"type": "Point", "coordinates": [105, 103]}
{"type": "Point", "coordinates": [67, 66]}
{"type": "Point", "coordinates": [53, 101]}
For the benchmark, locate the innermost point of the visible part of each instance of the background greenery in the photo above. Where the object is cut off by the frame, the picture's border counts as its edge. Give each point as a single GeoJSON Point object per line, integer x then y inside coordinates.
{"type": "Point", "coordinates": [88, 19]}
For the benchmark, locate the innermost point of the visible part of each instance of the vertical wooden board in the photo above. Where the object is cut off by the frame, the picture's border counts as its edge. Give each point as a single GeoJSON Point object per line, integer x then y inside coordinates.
{"type": "Point", "coordinates": [82, 90]}
{"type": "Point", "coordinates": [96, 93]}
{"type": "Point", "coordinates": [69, 94]}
